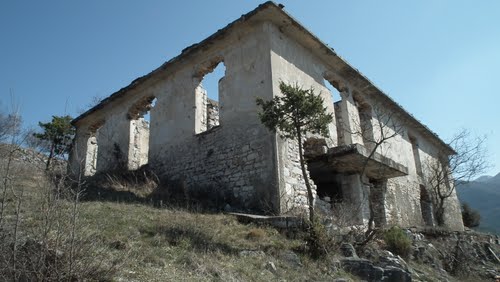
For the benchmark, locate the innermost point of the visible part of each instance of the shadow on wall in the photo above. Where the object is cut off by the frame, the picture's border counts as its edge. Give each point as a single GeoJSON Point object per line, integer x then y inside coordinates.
{"type": "Point", "coordinates": [143, 186]}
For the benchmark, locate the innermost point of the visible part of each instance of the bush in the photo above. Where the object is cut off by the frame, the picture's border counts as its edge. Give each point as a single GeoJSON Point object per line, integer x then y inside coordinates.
{"type": "Point", "coordinates": [470, 216]}
{"type": "Point", "coordinates": [317, 239]}
{"type": "Point", "coordinates": [397, 241]}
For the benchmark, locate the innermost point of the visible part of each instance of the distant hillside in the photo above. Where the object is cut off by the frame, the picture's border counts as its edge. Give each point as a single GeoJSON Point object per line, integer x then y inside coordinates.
{"type": "Point", "coordinates": [483, 194]}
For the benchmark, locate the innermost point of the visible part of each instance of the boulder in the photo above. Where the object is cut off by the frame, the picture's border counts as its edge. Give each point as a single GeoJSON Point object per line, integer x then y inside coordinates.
{"type": "Point", "coordinates": [348, 250]}
{"type": "Point", "coordinates": [396, 274]}
{"type": "Point", "coordinates": [362, 268]}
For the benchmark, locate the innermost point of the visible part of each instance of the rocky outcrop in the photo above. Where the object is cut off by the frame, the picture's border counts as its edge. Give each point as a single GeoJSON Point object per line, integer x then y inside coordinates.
{"type": "Point", "coordinates": [436, 254]}
{"type": "Point", "coordinates": [389, 268]}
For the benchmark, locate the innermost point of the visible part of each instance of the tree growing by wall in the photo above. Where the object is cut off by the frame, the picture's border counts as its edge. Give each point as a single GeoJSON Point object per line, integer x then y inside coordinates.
{"type": "Point", "coordinates": [444, 174]}
{"type": "Point", "coordinates": [470, 216]}
{"type": "Point", "coordinates": [58, 133]}
{"type": "Point", "coordinates": [297, 113]}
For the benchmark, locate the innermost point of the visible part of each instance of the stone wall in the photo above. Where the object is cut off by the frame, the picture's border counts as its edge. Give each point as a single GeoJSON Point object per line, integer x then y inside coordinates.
{"type": "Point", "coordinates": [235, 161]}
{"type": "Point", "coordinates": [212, 113]}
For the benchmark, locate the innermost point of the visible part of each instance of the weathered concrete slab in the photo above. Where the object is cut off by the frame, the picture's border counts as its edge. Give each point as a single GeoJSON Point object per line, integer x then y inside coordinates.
{"type": "Point", "coordinates": [276, 221]}
{"type": "Point", "coordinates": [355, 158]}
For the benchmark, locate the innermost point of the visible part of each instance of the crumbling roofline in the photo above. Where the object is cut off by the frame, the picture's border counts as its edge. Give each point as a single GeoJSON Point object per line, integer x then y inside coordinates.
{"type": "Point", "coordinates": [330, 51]}
{"type": "Point", "coordinates": [296, 24]}
{"type": "Point", "coordinates": [184, 53]}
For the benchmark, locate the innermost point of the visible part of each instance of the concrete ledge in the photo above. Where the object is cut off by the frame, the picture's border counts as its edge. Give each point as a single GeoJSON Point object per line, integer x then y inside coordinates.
{"type": "Point", "coordinates": [352, 158]}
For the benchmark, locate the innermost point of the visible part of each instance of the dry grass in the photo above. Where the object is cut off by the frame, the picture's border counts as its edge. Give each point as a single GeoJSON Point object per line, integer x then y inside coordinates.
{"type": "Point", "coordinates": [167, 245]}
{"type": "Point", "coordinates": [141, 242]}
{"type": "Point", "coordinates": [136, 241]}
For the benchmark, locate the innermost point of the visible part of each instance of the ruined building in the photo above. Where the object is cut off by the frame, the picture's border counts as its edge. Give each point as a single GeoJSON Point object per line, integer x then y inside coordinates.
{"type": "Point", "coordinates": [222, 144]}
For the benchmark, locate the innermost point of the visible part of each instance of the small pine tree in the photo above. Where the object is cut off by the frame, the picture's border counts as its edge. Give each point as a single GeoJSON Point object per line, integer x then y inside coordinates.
{"type": "Point", "coordinates": [470, 216]}
{"type": "Point", "coordinates": [397, 241]}
{"type": "Point", "coordinates": [295, 114]}
{"type": "Point", "coordinates": [58, 133]}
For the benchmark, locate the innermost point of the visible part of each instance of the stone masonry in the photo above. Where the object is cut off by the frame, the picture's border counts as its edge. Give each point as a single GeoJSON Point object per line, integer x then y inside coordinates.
{"type": "Point", "coordinates": [200, 143]}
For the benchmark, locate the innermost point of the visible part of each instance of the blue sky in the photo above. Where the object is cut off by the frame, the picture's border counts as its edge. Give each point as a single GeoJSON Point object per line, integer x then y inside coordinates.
{"type": "Point", "coordinates": [439, 59]}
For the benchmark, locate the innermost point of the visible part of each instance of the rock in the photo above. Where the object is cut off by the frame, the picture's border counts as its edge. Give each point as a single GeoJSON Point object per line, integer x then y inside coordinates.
{"type": "Point", "coordinates": [271, 267]}
{"type": "Point", "coordinates": [366, 270]}
{"type": "Point", "coordinates": [389, 259]}
{"type": "Point", "coordinates": [362, 268]}
{"type": "Point", "coordinates": [291, 258]}
{"type": "Point", "coordinates": [335, 265]}
{"type": "Point", "coordinates": [396, 274]}
{"type": "Point", "coordinates": [348, 250]}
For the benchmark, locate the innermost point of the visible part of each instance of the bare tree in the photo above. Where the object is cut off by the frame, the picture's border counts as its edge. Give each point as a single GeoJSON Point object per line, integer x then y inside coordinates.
{"type": "Point", "coordinates": [10, 122]}
{"type": "Point", "coordinates": [444, 173]}
{"type": "Point", "coordinates": [376, 125]}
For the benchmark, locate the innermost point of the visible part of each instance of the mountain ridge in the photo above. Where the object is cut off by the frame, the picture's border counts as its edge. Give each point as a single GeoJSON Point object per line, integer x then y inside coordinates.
{"type": "Point", "coordinates": [483, 194]}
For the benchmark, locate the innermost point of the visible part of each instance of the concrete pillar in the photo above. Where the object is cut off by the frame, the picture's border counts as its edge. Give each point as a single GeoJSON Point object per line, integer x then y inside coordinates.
{"type": "Point", "coordinates": [377, 198]}
{"type": "Point", "coordinates": [139, 143]}
{"type": "Point", "coordinates": [350, 119]}
{"type": "Point", "coordinates": [91, 156]}
{"type": "Point", "coordinates": [357, 195]}
{"type": "Point", "coordinates": [201, 109]}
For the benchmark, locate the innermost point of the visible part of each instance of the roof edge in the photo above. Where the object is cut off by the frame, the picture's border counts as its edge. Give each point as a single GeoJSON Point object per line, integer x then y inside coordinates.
{"type": "Point", "coordinates": [185, 52]}
{"type": "Point", "coordinates": [269, 4]}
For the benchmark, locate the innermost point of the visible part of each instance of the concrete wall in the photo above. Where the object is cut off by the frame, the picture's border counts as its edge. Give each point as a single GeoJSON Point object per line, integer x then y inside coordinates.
{"type": "Point", "coordinates": [238, 154]}
{"type": "Point", "coordinates": [186, 142]}
{"type": "Point", "coordinates": [138, 150]}
{"type": "Point", "coordinates": [401, 195]}
{"type": "Point", "coordinates": [291, 63]}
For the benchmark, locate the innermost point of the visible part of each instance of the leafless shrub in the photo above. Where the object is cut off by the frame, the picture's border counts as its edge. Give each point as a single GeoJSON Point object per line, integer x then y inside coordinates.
{"type": "Point", "coordinates": [42, 236]}
{"type": "Point", "coordinates": [442, 175]}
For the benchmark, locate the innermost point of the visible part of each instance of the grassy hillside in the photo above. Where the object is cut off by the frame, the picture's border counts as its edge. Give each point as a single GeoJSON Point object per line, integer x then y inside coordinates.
{"type": "Point", "coordinates": [150, 244]}
{"type": "Point", "coordinates": [64, 237]}
{"type": "Point", "coordinates": [116, 232]}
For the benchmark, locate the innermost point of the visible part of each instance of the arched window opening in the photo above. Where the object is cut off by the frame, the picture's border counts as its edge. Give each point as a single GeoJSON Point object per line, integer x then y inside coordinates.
{"type": "Point", "coordinates": [334, 88]}
{"type": "Point", "coordinates": [147, 115]}
{"type": "Point", "coordinates": [208, 95]}
{"type": "Point", "coordinates": [333, 91]}
{"type": "Point", "coordinates": [92, 147]}
{"type": "Point", "coordinates": [140, 121]}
